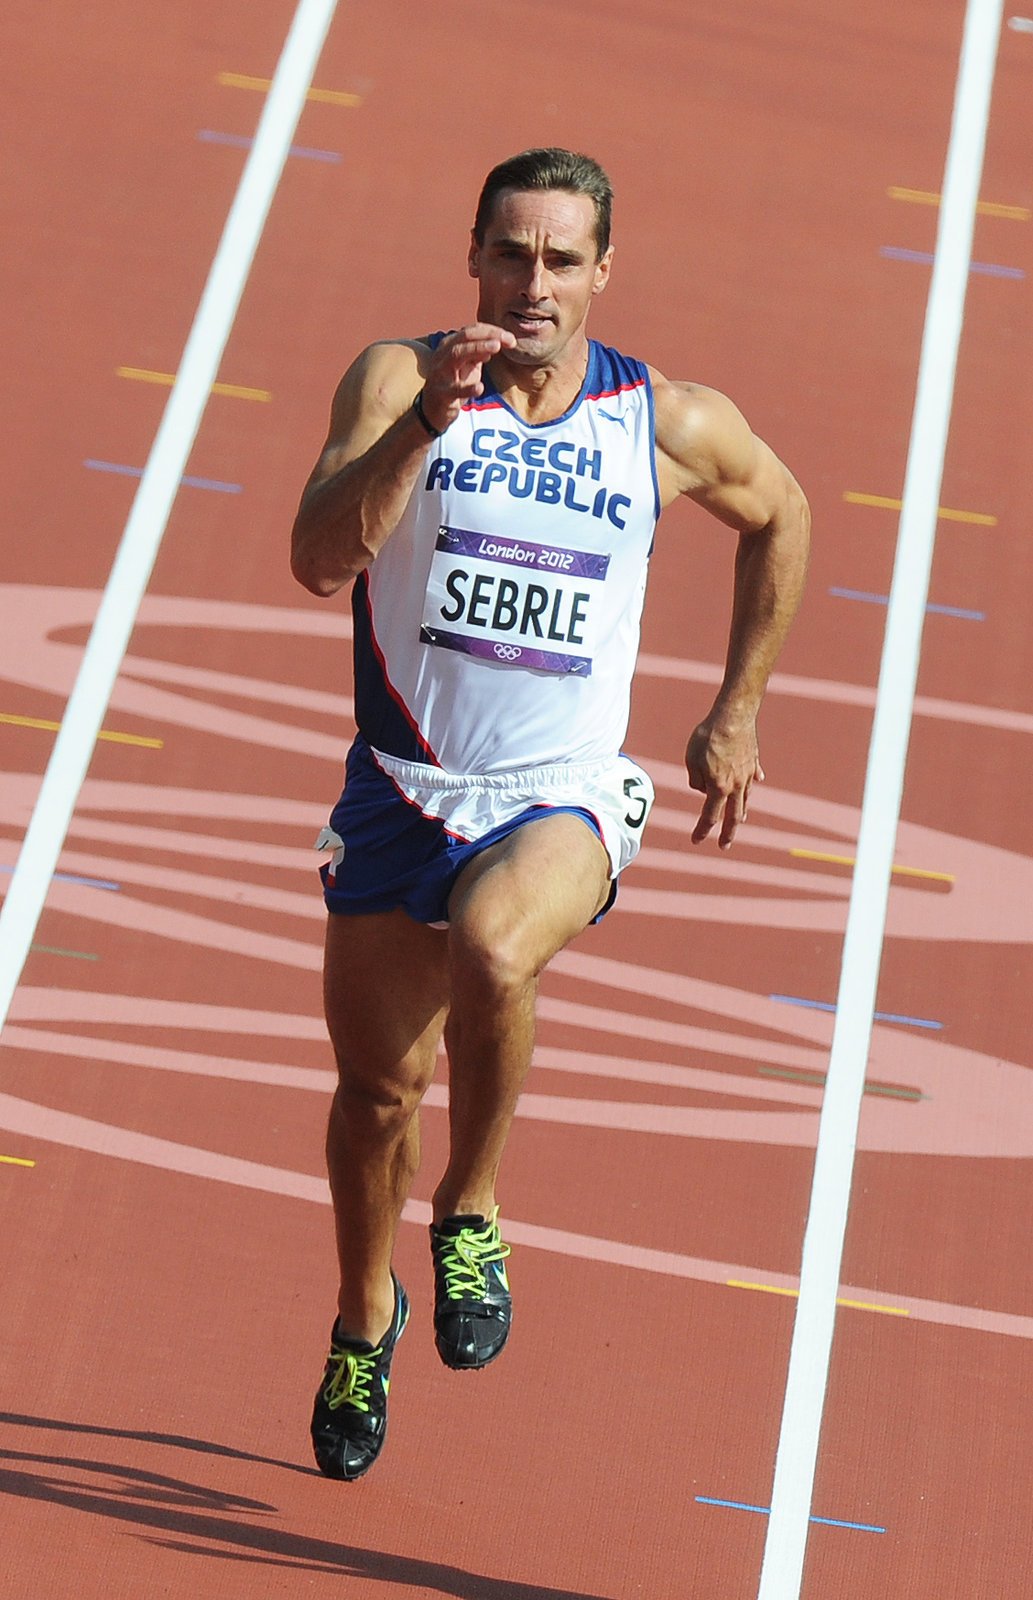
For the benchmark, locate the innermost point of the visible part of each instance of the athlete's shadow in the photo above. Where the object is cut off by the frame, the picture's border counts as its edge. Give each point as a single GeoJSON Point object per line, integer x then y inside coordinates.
{"type": "Point", "coordinates": [180, 1441]}
{"type": "Point", "coordinates": [207, 1522]}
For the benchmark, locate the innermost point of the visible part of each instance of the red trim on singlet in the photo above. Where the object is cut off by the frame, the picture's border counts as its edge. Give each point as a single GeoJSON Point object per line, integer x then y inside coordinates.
{"type": "Point", "coordinates": [610, 394]}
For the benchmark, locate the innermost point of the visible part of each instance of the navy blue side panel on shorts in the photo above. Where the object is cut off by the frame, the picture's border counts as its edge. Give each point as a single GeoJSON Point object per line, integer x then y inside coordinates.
{"type": "Point", "coordinates": [394, 856]}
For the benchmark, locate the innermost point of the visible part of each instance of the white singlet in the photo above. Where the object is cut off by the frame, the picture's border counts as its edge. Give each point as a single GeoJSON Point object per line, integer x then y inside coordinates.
{"type": "Point", "coordinates": [499, 625]}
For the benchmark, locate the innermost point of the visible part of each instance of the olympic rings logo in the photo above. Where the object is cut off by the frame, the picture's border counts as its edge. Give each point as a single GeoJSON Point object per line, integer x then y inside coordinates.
{"type": "Point", "coordinates": [508, 652]}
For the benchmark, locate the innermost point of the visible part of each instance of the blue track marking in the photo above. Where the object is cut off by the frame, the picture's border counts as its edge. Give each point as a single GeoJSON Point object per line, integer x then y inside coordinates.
{"type": "Point", "coordinates": [894, 253]}
{"type": "Point", "coordinates": [240, 141]}
{"type": "Point", "coordinates": [765, 1511]}
{"type": "Point", "coordinates": [880, 1016]}
{"type": "Point", "coordinates": [190, 483]}
{"type": "Point", "coordinates": [883, 599]}
{"type": "Point", "coordinates": [71, 877]}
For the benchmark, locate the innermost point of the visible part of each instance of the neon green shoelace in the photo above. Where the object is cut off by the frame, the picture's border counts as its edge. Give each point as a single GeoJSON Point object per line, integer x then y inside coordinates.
{"type": "Point", "coordinates": [465, 1257]}
{"type": "Point", "coordinates": [350, 1384]}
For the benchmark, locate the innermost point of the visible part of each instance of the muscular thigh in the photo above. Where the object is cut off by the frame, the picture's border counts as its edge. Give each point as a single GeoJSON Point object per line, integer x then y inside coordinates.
{"type": "Point", "coordinates": [533, 891]}
{"type": "Point", "coordinates": [385, 990]}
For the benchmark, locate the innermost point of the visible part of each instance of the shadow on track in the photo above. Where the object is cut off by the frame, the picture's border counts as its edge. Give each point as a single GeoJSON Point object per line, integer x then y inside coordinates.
{"type": "Point", "coordinates": [178, 1441]}
{"type": "Point", "coordinates": [207, 1522]}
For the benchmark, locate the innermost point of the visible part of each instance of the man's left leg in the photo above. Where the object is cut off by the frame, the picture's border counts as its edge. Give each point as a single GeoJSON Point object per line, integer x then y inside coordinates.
{"type": "Point", "coordinates": [512, 909]}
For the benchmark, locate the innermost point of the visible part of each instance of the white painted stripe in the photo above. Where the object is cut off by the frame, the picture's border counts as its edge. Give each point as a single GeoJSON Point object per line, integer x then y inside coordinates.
{"type": "Point", "coordinates": [152, 505]}
{"type": "Point", "coordinates": [782, 1570]}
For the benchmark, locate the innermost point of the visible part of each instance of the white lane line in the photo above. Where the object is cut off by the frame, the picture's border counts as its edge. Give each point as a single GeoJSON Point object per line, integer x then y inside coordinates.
{"type": "Point", "coordinates": [152, 505]}
{"type": "Point", "coordinates": [785, 1546]}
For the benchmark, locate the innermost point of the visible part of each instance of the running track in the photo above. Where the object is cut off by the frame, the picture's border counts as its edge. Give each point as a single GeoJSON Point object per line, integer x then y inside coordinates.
{"type": "Point", "coordinates": [166, 1239]}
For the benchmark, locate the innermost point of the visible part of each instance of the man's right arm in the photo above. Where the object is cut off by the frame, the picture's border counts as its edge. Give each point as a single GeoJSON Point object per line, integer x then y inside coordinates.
{"type": "Point", "coordinates": [366, 471]}
{"type": "Point", "coordinates": [376, 448]}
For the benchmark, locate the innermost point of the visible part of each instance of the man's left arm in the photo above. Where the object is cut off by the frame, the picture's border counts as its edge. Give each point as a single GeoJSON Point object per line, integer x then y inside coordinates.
{"type": "Point", "coordinates": [706, 450]}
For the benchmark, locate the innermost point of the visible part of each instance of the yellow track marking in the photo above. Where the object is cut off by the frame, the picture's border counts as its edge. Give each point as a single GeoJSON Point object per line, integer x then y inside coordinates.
{"type": "Point", "coordinates": [851, 861]}
{"type": "Point", "coordinates": [867, 1305]}
{"type": "Point", "coordinates": [888, 504]}
{"type": "Point", "coordinates": [858, 1305]}
{"type": "Point", "coordinates": [167, 379]}
{"type": "Point", "coordinates": [819, 1080]}
{"type": "Point", "coordinates": [54, 727]}
{"type": "Point", "coordinates": [329, 97]}
{"type": "Point", "coordinates": [987, 208]}
{"type": "Point", "coordinates": [764, 1288]}
{"type": "Point", "coordinates": [55, 950]}
{"type": "Point", "coordinates": [16, 1161]}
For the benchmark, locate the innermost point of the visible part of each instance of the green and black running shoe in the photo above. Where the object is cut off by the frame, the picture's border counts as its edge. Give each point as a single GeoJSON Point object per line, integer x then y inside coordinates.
{"type": "Point", "coordinates": [472, 1305]}
{"type": "Point", "coordinates": [350, 1417]}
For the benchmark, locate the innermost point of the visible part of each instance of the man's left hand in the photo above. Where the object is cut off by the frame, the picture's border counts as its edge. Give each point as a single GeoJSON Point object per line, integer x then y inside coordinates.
{"type": "Point", "coordinates": [723, 764]}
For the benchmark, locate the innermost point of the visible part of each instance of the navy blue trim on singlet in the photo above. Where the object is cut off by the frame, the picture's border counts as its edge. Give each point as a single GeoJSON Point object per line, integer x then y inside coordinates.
{"type": "Point", "coordinates": [380, 713]}
{"type": "Point", "coordinates": [657, 507]}
{"type": "Point", "coordinates": [608, 372]}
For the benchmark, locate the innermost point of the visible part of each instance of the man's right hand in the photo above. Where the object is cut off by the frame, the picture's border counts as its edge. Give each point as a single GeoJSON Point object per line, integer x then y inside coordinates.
{"type": "Point", "coordinates": [453, 373]}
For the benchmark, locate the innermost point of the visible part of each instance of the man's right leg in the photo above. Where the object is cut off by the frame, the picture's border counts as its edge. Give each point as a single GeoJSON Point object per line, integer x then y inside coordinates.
{"type": "Point", "coordinates": [385, 982]}
{"type": "Point", "coordinates": [386, 990]}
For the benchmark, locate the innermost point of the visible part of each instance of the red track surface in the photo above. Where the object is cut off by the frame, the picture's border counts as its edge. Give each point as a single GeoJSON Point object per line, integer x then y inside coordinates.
{"type": "Point", "coordinates": [166, 1303]}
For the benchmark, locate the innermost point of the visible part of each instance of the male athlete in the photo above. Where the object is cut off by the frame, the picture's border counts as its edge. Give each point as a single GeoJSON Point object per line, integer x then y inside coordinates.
{"type": "Point", "coordinates": [491, 494]}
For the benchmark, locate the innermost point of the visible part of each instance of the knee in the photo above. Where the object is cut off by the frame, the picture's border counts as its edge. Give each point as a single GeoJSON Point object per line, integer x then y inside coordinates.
{"type": "Point", "coordinates": [491, 957]}
{"type": "Point", "coordinates": [384, 1102]}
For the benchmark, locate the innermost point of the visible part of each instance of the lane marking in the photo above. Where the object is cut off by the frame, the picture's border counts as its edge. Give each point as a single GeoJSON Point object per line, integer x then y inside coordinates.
{"type": "Point", "coordinates": [785, 1545]}
{"type": "Point", "coordinates": [54, 950]}
{"type": "Point", "coordinates": [819, 1079]}
{"type": "Point", "coordinates": [152, 504]}
{"type": "Point", "coordinates": [16, 1161]}
{"type": "Point", "coordinates": [55, 727]}
{"type": "Point", "coordinates": [243, 141]}
{"type": "Point", "coordinates": [888, 504]}
{"type": "Point", "coordinates": [932, 607]}
{"type": "Point", "coordinates": [1021, 24]}
{"type": "Point", "coordinates": [794, 1294]}
{"type": "Point", "coordinates": [990, 269]}
{"type": "Point", "coordinates": [67, 877]}
{"type": "Point", "coordinates": [851, 861]}
{"type": "Point", "coordinates": [236, 391]}
{"type": "Point", "coordinates": [329, 97]}
{"type": "Point", "coordinates": [985, 208]}
{"type": "Point", "coordinates": [765, 1511]}
{"type": "Point", "coordinates": [877, 1016]}
{"type": "Point", "coordinates": [138, 472]}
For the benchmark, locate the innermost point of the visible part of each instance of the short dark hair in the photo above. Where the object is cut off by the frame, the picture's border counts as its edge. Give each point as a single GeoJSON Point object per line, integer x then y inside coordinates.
{"type": "Point", "coordinates": [550, 168]}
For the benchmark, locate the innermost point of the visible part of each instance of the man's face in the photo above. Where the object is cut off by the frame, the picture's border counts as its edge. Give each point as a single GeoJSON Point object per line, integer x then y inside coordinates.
{"type": "Point", "coordinates": [537, 270]}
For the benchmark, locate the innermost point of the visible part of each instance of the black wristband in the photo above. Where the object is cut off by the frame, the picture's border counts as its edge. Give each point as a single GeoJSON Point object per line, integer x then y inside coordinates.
{"type": "Point", "coordinates": [417, 405]}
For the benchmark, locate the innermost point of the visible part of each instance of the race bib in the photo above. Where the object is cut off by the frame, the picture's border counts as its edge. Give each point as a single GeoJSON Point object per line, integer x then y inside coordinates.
{"type": "Point", "coordinates": [514, 601]}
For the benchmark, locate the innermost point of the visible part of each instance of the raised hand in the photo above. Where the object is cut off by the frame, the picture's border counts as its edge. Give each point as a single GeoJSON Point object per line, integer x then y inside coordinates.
{"type": "Point", "coordinates": [454, 373]}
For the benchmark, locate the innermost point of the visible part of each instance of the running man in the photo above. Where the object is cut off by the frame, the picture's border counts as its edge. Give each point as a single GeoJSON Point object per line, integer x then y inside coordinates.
{"type": "Point", "coordinates": [491, 495]}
